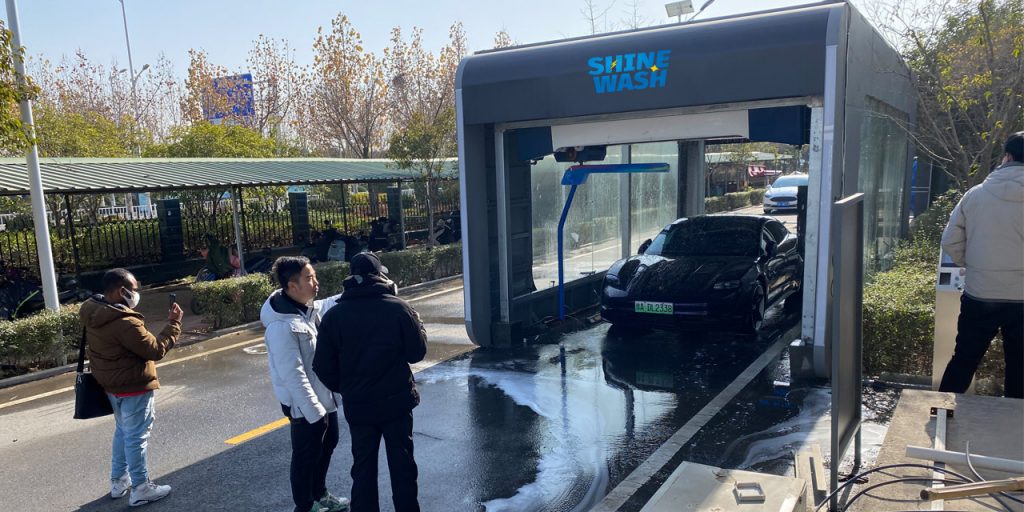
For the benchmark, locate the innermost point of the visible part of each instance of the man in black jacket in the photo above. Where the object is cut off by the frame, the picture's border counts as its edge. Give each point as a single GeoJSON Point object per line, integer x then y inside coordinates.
{"type": "Point", "coordinates": [364, 348]}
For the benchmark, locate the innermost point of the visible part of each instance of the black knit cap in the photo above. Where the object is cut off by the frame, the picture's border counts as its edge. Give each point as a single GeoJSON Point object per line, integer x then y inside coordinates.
{"type": "Point", "coordinates": [1015, 146]}
{"type": "Point", "coordinates": [366, 263]}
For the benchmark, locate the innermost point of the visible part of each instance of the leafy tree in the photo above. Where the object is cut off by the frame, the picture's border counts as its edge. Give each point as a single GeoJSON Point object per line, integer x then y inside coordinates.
{"type": "Point", "coordinates": [426, 145]}
{"type": "Point", "coordinates": [968, 69]}
{"type": "Point", "coordinates": [503, 39]}
{"type": "Point", "coordinates": [200, 98]}
{"type": "Point", "coordinates": [13, 137]}
{"type": "Point", "coordinates": [62, 133]}
{"type": "Point", "coordinates": [82, 134]}
{"type": "Point", "coordinates": [205, 140]}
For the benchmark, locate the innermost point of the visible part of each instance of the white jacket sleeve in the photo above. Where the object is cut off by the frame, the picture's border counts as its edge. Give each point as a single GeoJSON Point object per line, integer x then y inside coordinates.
{"type": "Point", "coordinates": [284, 351]}
{"type": "Point", "coordinates": [323, 305]}
{"type": "Point", "coordinates": [954, 237]}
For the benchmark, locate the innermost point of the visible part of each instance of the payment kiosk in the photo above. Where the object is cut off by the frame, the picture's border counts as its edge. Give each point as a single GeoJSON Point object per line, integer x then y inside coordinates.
{"type": "Point", "coordinates": [949, 286]}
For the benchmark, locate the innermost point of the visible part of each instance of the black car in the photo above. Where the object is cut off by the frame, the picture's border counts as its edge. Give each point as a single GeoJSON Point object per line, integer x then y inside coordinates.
{"type": "Point", "coordinates": [725, 269]}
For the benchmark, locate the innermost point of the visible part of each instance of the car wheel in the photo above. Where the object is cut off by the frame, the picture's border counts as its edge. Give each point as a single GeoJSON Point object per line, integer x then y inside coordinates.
{"type": "Point", "coordinates": [758, 306]}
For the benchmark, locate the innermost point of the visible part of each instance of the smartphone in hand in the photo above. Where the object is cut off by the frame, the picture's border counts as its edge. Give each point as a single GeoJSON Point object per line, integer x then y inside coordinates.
{"type": "Point", "coordinates": [174, 299]}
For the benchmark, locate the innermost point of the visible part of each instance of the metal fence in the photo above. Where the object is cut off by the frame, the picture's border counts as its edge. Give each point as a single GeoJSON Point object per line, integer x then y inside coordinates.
{"type": "Point", "coordinates": [119, 237]}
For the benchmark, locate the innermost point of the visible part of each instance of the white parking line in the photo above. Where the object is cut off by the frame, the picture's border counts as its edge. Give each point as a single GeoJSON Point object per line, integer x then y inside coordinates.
{"type": "Point", "coordinates": [642, 474]}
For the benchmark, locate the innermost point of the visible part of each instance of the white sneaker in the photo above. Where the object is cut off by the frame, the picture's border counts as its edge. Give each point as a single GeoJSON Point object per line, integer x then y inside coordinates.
{"type": "Point", "coordinates": [332, 503]}
{"type": "Point", "coordinates": [148, 492]}
{"type": "Point", "coordinates": [119, 488]}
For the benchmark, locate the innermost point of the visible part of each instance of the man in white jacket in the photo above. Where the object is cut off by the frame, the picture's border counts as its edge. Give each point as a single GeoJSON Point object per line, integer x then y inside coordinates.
{"type": "Point", "coordinates": [291, 317]}
{"type": "Point", "coordinates": [985, 234]}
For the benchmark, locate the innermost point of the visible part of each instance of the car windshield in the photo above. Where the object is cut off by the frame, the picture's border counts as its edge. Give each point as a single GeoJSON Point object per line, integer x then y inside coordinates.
{"type": "Point", "coordinates": [720, 237]}
{"type": "Point", "coordinates": [790, 181]}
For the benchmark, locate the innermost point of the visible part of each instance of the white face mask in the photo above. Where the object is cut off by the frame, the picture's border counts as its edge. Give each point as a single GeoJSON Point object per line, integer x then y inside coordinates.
{"type": "Point", "coordinates": [132, 299]}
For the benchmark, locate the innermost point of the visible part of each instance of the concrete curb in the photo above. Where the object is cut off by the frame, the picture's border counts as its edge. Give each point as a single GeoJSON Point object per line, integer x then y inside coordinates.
{"type": "Point", "coordinates": [416, 287]}
{"type": "Point", "coordinates": [34, 376]}
{"type": "Point", "coordinates": [60, 370]}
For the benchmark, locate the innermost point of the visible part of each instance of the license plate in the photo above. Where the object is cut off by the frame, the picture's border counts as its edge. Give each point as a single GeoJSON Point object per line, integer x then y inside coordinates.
{"type": "Point", "coordinates": [784, 203]}
{"type": "Point", "coordinates": [658, 308]}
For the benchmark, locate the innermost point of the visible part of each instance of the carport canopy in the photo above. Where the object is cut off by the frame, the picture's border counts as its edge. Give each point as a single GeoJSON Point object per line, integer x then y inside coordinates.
{"type": "Point", "coordinates": [110, 175]}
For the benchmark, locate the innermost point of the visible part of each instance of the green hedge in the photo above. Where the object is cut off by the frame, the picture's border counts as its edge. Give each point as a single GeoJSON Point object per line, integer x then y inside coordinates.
{"type": "Point", "coordinates": [43, 339]}
{"type": "Point", "coordinates": [232, 301]}
{"type": "Point", "coordinates": [733, 201]}
{"type": "Point", "coordinates": [899, 320]}
{"type": "Point", "coordinates": [899, 306]}
{"type": "Point", "coordinates": [238, 300]}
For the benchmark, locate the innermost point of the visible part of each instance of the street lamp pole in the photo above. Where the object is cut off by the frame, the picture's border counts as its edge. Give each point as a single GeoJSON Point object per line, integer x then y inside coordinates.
{"type": "Point", "coordinates": [134, 77]}
{"type": "Point", "coordinates": [42, 226]}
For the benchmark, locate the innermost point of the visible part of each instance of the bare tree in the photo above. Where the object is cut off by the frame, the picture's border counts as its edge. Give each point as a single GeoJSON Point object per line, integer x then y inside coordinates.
{"type": "Point", "coordinates": [596, 16]}
{"type": "Point", "coordinates": [633, 17]}
{"type": "Point", "coordinates": [349, 92]}
{"type": "Point", "coordinates": [276, 80]}
{"type": "Point", "coordinates": [412, 76]}
{"type": "Point", "coordinates": [78, 86]}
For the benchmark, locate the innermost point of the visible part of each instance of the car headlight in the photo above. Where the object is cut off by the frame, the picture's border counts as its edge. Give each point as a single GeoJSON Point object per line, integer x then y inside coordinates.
{"type": "Point", "coordinates": [727, 285]}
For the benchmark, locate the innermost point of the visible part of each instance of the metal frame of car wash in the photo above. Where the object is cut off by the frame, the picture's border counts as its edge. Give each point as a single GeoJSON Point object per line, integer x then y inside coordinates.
{"type": "Point", "coordinates": [816, 74]}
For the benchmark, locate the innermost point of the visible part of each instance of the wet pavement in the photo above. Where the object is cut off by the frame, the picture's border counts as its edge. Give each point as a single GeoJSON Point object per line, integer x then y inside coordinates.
{"type": "Point", "coordinates": [589, 410]}
{"type": "Point", "coordinates": [550, 426]}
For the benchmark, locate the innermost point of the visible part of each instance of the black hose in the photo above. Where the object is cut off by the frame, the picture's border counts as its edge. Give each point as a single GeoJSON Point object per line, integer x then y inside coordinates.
{"type": "Point", "coordinates": [853, 479]}
{"type": "Point", "coordinates": [899, 481]}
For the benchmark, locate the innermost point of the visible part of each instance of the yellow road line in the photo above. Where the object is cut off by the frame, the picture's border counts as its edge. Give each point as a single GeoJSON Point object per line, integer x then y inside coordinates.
{"type": "Point", "coordinates": [256, 432]}
{"type": "Point", "coordinates": [20, 401]}
{"type": "Point", "coordinates": [272, 426]}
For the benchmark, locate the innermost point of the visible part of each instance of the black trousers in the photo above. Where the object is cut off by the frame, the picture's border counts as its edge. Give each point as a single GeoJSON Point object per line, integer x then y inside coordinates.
{"type": "Point", "coordinates": [312, 447]}
{"type": "Point", "coordinates": [978, 324]}
{"type": "Point", "coordinates": [397, 435]}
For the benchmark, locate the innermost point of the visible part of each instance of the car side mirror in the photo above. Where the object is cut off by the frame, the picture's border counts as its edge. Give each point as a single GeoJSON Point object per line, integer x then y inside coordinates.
{"type": "Point", "coordinates": [771, 249]}
{"type": "Point", "coordinates": [644, 246]}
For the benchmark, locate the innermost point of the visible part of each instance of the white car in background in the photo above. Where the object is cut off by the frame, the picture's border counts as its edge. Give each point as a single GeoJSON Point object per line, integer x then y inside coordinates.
{"type": "Point", "coordinates": [781, 195]}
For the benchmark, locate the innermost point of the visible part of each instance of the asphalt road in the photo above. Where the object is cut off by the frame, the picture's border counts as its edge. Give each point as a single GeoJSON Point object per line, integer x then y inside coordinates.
{"type": "Point", "coordinates": [550, 426]}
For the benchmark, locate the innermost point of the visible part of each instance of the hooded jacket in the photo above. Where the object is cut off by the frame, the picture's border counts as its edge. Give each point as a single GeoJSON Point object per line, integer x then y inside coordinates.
{"type": "Point", "coordinates": [985, 234]}
{"type": "Point", "coordinates": [121, 351]}
{"type": "Point", "coordinates": [366, 343]}
{"type": "Point", "coordinates": [291, 342]}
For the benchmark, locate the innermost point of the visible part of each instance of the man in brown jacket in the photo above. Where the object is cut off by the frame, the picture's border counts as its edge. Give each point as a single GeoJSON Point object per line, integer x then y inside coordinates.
{"type": "Point", "coordinates": [121, 354]}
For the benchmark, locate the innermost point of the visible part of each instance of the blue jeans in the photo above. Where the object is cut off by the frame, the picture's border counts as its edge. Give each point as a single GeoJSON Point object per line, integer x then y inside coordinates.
{"type": "Point", "coordinates": [134, 418]}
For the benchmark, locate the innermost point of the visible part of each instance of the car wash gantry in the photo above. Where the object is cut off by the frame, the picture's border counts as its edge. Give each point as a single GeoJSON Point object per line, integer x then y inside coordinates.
{"type": "Point", "coordinates": [574, 152]}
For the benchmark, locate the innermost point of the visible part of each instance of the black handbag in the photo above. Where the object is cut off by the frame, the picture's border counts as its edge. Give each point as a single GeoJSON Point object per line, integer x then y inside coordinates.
{"type": "Point", "coordinates": [90, 399]}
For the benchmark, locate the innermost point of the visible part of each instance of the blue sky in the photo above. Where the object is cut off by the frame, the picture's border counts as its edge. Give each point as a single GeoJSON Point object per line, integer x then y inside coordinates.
{"type": "Point", "coordinates": [226, 28]}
